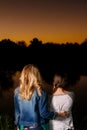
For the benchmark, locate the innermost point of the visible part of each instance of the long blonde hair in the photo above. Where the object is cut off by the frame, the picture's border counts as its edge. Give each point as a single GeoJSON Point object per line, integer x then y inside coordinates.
{"type": "Point", "coordinates": [29, 81]}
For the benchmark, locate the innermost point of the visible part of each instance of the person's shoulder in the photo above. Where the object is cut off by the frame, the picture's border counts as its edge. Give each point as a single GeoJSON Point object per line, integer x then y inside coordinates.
{"type": "Point", "coordinates": [72, 94]}
{"type": "Point", "coordinates": [16, 91]}
{"type": "Point", "coordinates": [44, 91]}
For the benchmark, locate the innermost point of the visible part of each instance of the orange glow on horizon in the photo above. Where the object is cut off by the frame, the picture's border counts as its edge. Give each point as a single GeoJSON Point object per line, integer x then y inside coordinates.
{"type": "Point", "coordinates": [60, 22]}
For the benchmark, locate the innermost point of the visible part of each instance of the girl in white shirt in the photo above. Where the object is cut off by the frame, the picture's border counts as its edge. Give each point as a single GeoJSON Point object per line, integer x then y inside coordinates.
{"type": "Point", "coordinates": [61, 100]}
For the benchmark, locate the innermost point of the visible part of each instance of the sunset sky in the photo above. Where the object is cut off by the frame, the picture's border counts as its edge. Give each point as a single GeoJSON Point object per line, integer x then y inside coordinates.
{"type": "Point", "coordinates": [57, 21]}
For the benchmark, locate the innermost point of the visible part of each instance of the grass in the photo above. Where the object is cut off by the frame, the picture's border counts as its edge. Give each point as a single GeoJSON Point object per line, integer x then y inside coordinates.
{"type": "Point", "coordinates": [6, 122]}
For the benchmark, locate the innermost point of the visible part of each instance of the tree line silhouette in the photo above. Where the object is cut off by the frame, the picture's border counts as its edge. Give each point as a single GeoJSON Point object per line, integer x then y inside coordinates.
{"type": "Point", "coordinates": [67, 56]}
{"type": "Point", "coordinates": [49, 57]}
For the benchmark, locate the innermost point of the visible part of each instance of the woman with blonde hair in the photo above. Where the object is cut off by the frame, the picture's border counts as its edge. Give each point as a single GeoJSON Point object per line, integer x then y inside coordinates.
{"type": "Point", "coordinates": [30, 100]}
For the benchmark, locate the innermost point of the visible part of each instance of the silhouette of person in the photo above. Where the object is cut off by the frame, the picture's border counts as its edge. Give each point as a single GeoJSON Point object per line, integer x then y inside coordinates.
{"type": "Point", "coordinates": [30, 101]}
{"type": "Point", "coordinates": [61, 99]}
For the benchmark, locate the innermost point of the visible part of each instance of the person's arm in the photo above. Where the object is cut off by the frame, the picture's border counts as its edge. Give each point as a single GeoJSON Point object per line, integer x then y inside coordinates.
{"type": "Point", "coordinates": [43, 108]}
{"type": "Point", "coordinates": [16, 110]}
{"type": "Point", "coordinates": [69, 103]}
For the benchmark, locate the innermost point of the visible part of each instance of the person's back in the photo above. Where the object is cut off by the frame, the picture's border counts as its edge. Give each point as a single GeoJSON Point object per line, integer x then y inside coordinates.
{"type": "Point", "coordinates": [61, 100]}
{"type": "Point", "coordinates": [29, 113]}
{"type": "Point", "coordinates": [30, 100]}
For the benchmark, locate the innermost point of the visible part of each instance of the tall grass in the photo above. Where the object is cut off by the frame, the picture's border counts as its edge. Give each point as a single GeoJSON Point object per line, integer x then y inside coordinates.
{"type": "Point", "coordinates": [6, 122]}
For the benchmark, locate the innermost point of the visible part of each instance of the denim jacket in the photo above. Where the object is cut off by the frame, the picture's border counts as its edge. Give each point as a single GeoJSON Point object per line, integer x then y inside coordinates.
{"type": "Point", "coordinates": [31, 112]}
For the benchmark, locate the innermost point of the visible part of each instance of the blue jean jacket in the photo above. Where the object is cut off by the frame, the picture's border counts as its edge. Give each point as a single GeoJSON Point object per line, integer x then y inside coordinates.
{"type": "Point", "coordinates": [31, 112]}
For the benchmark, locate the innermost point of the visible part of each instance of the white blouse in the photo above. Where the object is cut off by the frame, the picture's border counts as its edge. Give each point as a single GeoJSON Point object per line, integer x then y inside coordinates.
{"type": "Point", "coordinates": [58, 103]}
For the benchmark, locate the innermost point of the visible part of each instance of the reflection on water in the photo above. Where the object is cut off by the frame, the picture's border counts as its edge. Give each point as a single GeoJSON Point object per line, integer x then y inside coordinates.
{"type": "Point", "coordinates": [80, 90]}
{"type": "Point", "coordinates": [6, 96]}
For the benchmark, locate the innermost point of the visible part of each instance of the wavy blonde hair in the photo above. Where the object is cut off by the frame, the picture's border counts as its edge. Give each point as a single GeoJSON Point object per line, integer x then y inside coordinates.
{"type": "Point", "coordinates": [30, 80]}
